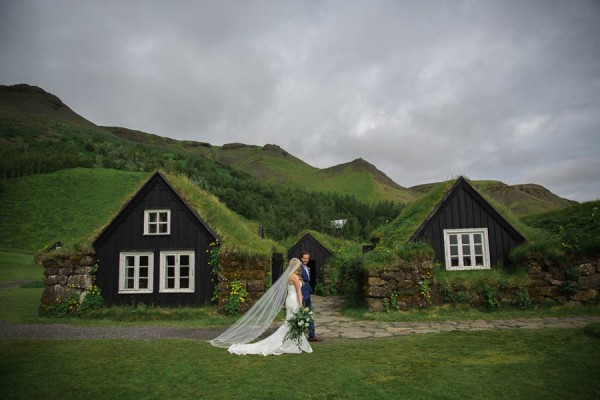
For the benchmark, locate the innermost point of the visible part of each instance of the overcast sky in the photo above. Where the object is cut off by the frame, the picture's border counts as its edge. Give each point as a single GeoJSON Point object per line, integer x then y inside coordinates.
{"type": "Point", "coordinates": [424, 90]}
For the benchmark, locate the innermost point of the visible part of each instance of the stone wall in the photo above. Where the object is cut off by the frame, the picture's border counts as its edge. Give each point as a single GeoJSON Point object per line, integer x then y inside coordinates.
{"type": "Point", "coordinates": [250, 272]}
{"type": "Point", "coordinates": [571, 283]}
{"type": "Point", "coordinates": [66, 274]}
{"type": "Point", "coordinates": [402, 282]}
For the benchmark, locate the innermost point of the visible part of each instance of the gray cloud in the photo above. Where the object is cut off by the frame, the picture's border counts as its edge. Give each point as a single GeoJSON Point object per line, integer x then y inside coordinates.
{"type": "Point", "coordinates": [500, 90]}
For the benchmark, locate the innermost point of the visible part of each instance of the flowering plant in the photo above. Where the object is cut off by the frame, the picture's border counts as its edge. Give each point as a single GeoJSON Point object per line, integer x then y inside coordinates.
{"type": "Point", "coordinates": [298, 324]}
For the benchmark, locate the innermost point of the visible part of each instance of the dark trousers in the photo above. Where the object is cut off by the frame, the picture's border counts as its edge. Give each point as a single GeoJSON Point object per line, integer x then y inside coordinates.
{"type": "Point", "coordinates": [311, 328]}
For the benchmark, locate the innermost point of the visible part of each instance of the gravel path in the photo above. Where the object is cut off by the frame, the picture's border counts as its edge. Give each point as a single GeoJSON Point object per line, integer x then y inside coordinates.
{"type": "Point", "coordinates": [330, 325]}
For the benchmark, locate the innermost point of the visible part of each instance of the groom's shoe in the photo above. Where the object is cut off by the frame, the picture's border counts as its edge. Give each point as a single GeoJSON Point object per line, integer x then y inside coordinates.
{"type": "Point", "coordinates": [315, 339]}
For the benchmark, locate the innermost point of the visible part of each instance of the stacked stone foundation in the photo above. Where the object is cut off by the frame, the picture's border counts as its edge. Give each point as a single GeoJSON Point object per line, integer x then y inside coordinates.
{"type": "Point", "coordinates": [67, 274]}
{"type": "Point", "coordinates": [400, 286]}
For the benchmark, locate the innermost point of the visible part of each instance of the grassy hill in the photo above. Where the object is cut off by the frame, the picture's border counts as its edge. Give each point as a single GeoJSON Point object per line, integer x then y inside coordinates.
{"type": "Point", "coordinates": [523, 199]}
{"type": "Point", "coordinates": [63, 206]}
{"type": "Point", "coordinates": [273, 164]}
{"type": "Point", "coordinates": [577, 227]}
{"type": "Point", "coordinates": [46, 137]}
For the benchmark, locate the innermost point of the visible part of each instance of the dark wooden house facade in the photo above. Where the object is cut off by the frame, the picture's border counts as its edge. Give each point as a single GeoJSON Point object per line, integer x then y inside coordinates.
{"type": "Point", "coordinates": [318, 256]}
{"type": "Point", "coordinates": [466, 232]}
{"type": "Point", "coordinates": [155, 250]}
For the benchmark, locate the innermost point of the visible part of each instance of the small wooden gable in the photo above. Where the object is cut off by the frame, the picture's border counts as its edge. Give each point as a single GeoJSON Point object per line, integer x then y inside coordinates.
{"type": "Point", "coordinates": [466, 232]}
{"type": "Point", "coordinates": [155, 250]}
{"type": "Point", "coordinates": [318, 255]}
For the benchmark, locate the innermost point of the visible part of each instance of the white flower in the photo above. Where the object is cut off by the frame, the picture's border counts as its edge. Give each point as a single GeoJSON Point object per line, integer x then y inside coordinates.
{"type": "Point", "coordinates": [306, 324]}
{"type": "Point", "coordinates": [299, 323]}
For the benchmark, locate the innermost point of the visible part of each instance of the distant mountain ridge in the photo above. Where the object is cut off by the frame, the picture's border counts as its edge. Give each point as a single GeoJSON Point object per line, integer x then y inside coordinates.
{"type": "Point", "coordinates": [33, 106]}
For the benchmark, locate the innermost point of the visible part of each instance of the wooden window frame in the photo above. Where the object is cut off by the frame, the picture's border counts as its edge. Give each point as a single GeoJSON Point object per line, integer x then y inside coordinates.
{"type": "Point", "coordinates": [471, 232]}
{"type": "Point", "coordinates": [163, 271]}
{"type": "Point", "coordinates": [147, 222]}
{"type": "Point", "coordinates": [136, 272]}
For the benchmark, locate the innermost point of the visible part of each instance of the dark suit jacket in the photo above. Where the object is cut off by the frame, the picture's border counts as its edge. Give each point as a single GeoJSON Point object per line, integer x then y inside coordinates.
{"type": "Point", "coordinates": [306, 289]}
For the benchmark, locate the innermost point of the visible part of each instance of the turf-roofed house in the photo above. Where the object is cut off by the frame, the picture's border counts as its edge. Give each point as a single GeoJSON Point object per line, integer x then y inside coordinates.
{"type": "Point", "coordinates": [159, 247]}
{"type": "Point", "coordinates": [318, 255]}
{"type": "Point", "coordinates": [465, 231]}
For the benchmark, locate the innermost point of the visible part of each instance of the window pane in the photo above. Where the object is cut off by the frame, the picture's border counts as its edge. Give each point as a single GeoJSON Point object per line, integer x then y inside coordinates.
{"type": "Point", "coordinates": [163, 217]}
{"type": "Point", "coordinates": [454, 261]}
{"type": "Point", "coordinates": [466, 250]}
{"type": "Point", "coordinates": [184, 271]}
{"type": "Point", "coordinates": [454, 250]}
{"type": "Point", "coordinates": [129, 272]}
{"type": "Point", "coordinates": [184, 283]}
{"type": "Point", "coordinates": [467, 261]}
{"type": "Point", "coordinates": [143, 283]}
{"type": "Point", "coordinates": [143, 261]}
{"type": "Point", "coordinates": [162, 228]}
{"type": "Point", "coordinates": [184, 260]}
{"type": "Point", "coordinates": [453, 239]}
{"type": "Point", "coordinates": [152, 228]}
{"type": "Point", "coordinates": [170, 260]}
{"type": "Point", "coordinates": [171, 283]}
{"type": "Point", "coordinates": [477, 238]}
{"type": "Point", "coordinates": [171, 271]}
{"type": "Point", "coordinates": [479, 260]}
{"type": "Point", "coordinates": [478, 249]}
{"type": "Point", "coordinates": [464, 238]}
{"type": "Point", "coordinates": [143, 272]}
{"type": "Point", "coordinates": [152, 217]}
{"type": "Point", "coordinates": [129, 283]}
{"type": "Point", "coordinates": [130, 261]}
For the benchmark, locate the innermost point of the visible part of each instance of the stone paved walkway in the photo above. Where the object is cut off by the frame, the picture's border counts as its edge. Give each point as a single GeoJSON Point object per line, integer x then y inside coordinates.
{"type": "Point", "coordinates": [330, 325]}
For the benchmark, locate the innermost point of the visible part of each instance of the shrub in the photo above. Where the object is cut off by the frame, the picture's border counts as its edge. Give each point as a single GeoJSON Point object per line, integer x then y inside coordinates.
{"type": "Point", "coordinates": [489, 296]}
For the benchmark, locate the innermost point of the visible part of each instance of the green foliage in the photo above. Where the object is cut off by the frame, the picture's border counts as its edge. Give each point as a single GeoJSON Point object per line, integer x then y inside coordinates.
{"type": "Point", "coordinates": [425, 291]}
{"type": "Point", "coordinates": [72, 306]}
{"type": "Point", "coordinates": [393, 301]}
{"type": "Point", "coordinates": [66, 307]}
{"type": "Point", "coordinates": [236, 296]}
{"type": "Point", "coordinates": [523, 299]}
{"type": "Point", "coordinates": [490, 298]}
{"type": "Point", "coordinates": [569, 288]}
{"type": "Point", "coordinates": [576, 229]}
{"type": "Point", "coordinates": [93, 300]}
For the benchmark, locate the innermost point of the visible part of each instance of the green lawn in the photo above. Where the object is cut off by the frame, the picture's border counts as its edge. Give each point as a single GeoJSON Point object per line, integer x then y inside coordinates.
{"type": "Point", "coordinates": [549, 364]}
{"type": "Point", "coordinates": [19, 267]}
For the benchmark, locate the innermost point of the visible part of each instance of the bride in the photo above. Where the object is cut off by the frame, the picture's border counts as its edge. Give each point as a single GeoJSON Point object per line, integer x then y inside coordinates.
{"type": "Point", "coordinates": [258, 318]}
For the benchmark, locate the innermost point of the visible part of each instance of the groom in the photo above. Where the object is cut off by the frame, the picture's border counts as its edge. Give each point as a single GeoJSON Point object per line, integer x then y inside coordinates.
{"type": "Point", "coordinates": [306, 291]}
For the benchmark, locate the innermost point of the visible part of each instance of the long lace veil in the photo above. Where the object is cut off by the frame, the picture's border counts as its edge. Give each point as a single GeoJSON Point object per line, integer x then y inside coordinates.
{"type": "Point", "coordinates": [258, 318]}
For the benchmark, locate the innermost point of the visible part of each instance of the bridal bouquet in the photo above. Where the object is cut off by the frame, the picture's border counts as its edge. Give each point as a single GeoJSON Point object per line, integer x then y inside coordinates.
{"type": "Point", "coordinates": [299, 325]}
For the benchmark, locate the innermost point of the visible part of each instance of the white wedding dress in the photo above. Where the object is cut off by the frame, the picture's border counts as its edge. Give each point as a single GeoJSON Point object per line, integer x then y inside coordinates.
{"type": "Point", "coordinates": [275, 344]}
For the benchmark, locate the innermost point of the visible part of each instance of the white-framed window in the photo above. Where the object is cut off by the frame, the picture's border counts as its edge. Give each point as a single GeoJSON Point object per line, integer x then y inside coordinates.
{"type": "Point", "coordinates": [177, 271]}
{"type": "Point", "coordinates": [467, 249]}
{"type": "Point", "coordinates": [136, 272]}
{"type": "Point", "coordinates": [157, 222]}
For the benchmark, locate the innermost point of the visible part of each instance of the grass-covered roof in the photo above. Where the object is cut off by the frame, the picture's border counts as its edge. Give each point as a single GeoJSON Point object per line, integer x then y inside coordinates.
{"type": "Point", "coordinates": [237, 234]}
{"type": "Point", "coordinates": [412, 217]}
{"type": "Point", "coordinates": [333, 244]}
{"type": "Point", "coordinates": [98, 187]}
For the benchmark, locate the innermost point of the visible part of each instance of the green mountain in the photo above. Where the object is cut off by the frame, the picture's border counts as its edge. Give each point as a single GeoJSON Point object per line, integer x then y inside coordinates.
{"type": "Point", "coordinates": [523, 199]}
{"type": "Point", "coordinates": [39, 134]}
{"type": "Point", "coordinates": [273, 164]}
